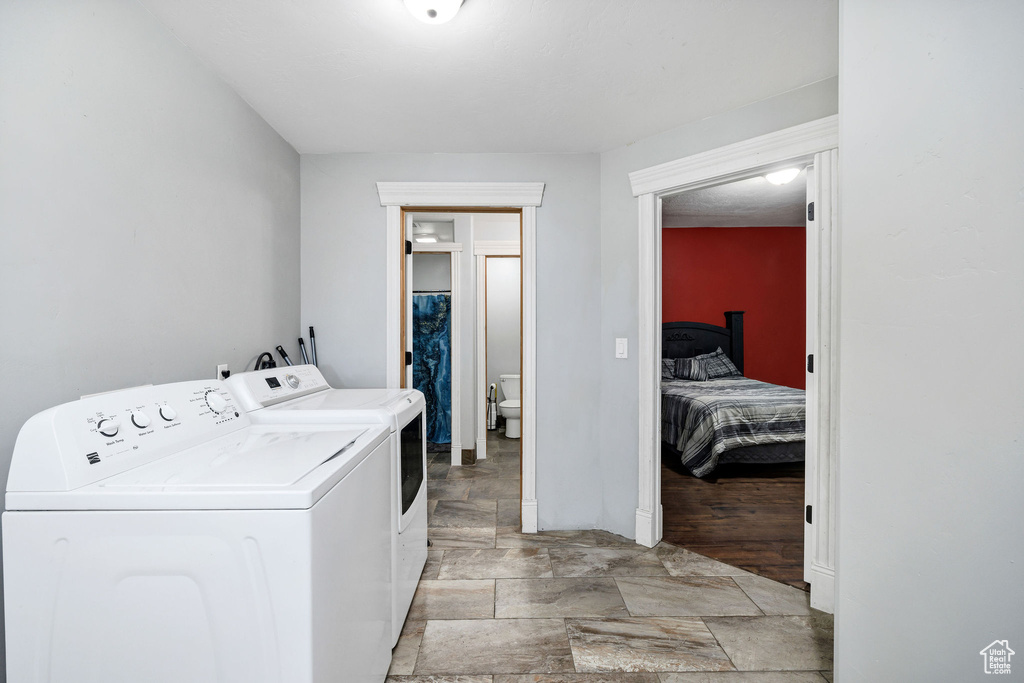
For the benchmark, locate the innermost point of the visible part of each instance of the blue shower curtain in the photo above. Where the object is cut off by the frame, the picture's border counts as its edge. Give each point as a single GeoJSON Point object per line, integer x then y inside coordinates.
{"type": "Point", "coordinates": [432, 362]}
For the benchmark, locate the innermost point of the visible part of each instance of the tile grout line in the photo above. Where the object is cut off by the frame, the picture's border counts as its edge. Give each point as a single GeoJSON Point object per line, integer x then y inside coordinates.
{"type": "Point", "coordinates": [754, 602]}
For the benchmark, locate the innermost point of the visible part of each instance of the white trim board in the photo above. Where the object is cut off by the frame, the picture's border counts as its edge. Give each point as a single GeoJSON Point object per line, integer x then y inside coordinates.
{"type": "Point", "coordinates": [813, 142]}
{"type": "Point", "coordinates": [524, 196]}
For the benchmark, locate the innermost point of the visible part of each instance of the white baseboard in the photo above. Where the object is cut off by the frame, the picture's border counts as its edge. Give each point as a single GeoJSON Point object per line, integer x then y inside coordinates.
{"type": "Point", "coordinates": [456, 454]}
{"type": "Point", "coordinates": [823, 588]}
{"type": "Point", "coordinates": [529, 511]}
{"type": "Point", "coordinates": [648, 527]}
{"type": "Point", "coordinates": [481, 449]}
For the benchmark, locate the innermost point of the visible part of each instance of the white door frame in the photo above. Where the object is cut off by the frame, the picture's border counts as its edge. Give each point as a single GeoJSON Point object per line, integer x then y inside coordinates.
{"type": "Point", "coordinates": [517, 196]}
{"type": "Point", "coordinates": [453, 249]}
{"type": "Point", "coordinates": [482, 249]}
{"type": "Point", "coordinates": [808, 143]}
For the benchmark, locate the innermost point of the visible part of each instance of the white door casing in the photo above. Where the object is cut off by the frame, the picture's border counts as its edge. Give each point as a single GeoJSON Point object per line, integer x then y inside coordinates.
{"type": "Point", "coordinates": [481, 250]}
{"type": "Point", "coordinates": [524, 196]}
{"type": "Point", "coordinates": [815, 143]}
{"type": "Point", "coordinates": [453, 249]}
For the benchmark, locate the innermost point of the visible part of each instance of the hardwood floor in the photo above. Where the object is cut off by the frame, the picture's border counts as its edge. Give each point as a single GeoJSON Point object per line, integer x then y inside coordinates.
{"type": "Point", "coordinates": [749, 516]}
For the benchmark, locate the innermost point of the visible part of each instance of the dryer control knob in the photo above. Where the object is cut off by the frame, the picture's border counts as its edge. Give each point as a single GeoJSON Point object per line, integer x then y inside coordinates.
{"type": "Point", "coordinates": [293, 381]}
{"type": "Point", "coordinates": [140, 419]}
{"type": "Point", "coordinates": [168, 413]}
{"type": "Point", "coordinates": [216, 402]}
{"type": "Point", "coordinates": [109, 426]}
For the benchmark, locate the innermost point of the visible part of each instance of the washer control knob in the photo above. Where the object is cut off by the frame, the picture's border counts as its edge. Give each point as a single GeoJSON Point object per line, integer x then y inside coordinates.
{"type": "Point", "coordinates": [108, 426]}
{"type": "Point", "coordinates": [216, 402]}
{"type": "Point", "coordinates": [293, 381]}
{"type": "Point", "coordinates": [168, 413]}
{"type": "Point", "coordinates": [140, 419]}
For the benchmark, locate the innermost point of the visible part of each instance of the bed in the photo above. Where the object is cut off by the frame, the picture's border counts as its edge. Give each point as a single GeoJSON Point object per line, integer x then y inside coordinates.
{"type": "Point", "coordinates": [732, 419]}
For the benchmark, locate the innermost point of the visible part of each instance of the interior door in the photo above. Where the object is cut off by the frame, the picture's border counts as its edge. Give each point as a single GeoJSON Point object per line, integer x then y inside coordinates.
{"type": "Point", "coordinates": [407, 303]}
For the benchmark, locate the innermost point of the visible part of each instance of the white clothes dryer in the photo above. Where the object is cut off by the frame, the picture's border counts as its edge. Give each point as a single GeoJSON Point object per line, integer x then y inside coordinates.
{"type": "Point", "coordinates": [155, 534]}
{"type": "Point", "coordinates": [300, 395]}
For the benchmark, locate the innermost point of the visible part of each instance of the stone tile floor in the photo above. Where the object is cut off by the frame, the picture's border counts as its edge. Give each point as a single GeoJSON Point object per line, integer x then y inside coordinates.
{"type": "Point", "coordinates": [498, 606]}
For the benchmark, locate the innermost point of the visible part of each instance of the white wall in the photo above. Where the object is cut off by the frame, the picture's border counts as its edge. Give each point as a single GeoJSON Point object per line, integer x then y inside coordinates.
{"type": "Point", "coordinates": [931, 463]}
{"type": "Point", "coordinates": [431, 271]}
{"type": "Point", "coordinates": [149, 216]}
{"type": "Point", "coordinates": [502, 319]}
{"type": "Point", "coordinates": [343, 294]}
{"type": "Point", "coordinates": [616, 414]}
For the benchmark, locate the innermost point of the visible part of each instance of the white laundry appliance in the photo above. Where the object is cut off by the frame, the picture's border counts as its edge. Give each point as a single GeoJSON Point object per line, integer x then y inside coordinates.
{"type": "Point", "coordinates": [155, 534]}
{"type": "Point", "coordinates": [300, 395]}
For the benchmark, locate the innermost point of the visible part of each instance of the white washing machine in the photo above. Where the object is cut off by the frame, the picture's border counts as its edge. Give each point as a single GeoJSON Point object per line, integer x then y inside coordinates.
{"type": "Point", "coordinates": [300, 395]}
{"type": "Point", "coordinates": [155, 534]}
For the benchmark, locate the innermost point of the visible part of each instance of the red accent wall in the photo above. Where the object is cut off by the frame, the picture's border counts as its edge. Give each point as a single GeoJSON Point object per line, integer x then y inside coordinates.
{"type": "Point", "coordinates": [707, 271]}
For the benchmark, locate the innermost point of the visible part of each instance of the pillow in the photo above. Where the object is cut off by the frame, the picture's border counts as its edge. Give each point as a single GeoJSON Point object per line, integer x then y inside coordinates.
{"type": "Point", "coordinates": [719, 365]}
{"type": "Point", "coordinates": [692, 368]}
{"type": "Point", "coordinates": [668, 368]}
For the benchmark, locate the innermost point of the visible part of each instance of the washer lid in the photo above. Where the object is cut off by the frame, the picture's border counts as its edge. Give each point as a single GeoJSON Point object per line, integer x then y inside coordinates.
{"type": "Point", "coordinates": [394, 407]}
{"type": "Point", "coordinates": [261, 467]}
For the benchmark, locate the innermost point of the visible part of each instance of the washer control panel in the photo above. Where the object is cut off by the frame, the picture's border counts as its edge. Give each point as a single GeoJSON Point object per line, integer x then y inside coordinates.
{"type": "Point", "coordinates": [99, 436]}
{"type": "Point", "coordinates": [262, 388]}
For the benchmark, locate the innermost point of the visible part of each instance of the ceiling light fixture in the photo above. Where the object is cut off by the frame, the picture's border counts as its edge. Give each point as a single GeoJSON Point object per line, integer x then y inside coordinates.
{"type": "Point", "coordinates": [425, 238]}
{"type": "Point", "coordinates": [782, 177]}
{"type": "Point", "coordinates": [433, 11]}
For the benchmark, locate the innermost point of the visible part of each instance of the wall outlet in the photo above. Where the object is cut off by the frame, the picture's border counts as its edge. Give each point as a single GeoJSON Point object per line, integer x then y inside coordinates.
{"type": "Point", "coordinates": [222, 371]}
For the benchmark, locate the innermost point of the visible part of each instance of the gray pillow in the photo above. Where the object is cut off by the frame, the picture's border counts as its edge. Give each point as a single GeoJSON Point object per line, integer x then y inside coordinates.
{"type": "Point", "coordinates": [719, 365]}
{"type": "Point", "coordinates": [668, 368]}
{"type": "Point", "coordinates": [692, 368]}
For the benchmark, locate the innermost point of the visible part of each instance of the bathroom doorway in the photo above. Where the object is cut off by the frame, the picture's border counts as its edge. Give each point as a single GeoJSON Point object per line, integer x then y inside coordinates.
{"type": "Point", "coordinates": [502, 350]}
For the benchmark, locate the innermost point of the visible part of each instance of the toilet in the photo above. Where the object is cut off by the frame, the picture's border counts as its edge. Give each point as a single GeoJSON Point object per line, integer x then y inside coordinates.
{"type": "Point", "coordinates": [510, 407]}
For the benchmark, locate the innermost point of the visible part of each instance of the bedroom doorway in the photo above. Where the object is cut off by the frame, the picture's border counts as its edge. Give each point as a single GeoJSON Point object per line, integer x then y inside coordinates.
{"type": "Point", "coordinates": [734, 255]}
{"type": "Point", "coordinates": [812, 145]}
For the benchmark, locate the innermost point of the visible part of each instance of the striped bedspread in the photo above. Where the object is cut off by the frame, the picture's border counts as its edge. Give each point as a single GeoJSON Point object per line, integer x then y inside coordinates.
{"type": "Point", "coordinates": [705, 419]}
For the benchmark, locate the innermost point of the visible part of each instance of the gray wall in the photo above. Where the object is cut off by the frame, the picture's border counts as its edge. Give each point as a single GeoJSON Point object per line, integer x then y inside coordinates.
{"type": "Point", "coordinates": [616, 414]}
{"type": "Point", "coordinates": [502, 319]}
{"type": "Point", "coordinates": [431, 271]}
{"type": "Point", "coordinates": [150, 218]}
{"type": "Point", "coordinates": [931, 463]}
{"type": "Point", "coordinates": [344, 290]}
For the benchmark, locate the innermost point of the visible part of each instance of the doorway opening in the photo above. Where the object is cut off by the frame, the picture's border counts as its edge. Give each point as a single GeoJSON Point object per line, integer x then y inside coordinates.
{"type": "Point", "coordinates": [815, 145]}
{"type": "Point", "coordinates": [734, 255]}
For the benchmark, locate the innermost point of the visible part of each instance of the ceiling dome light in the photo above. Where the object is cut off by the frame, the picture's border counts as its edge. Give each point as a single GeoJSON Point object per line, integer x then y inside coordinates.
{"type": "Point", "coordinates": [782, 177]}
{"type": "Point", "coordinates": [433, 11]}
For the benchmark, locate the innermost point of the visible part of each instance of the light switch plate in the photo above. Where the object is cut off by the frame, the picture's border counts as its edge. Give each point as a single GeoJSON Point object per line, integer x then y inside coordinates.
{"type": "Point", "coordinates": [621, 347]}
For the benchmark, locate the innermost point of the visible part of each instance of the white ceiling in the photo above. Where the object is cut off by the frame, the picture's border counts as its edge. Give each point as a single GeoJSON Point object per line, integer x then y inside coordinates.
{"type": "Point", "coordinates": [504, 75]}
{"type": "Point", "coordinates": [743, 204]}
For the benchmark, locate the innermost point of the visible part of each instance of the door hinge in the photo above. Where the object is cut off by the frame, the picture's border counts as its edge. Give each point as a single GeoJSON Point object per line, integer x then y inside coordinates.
{"type": "Point", "coordinates": [408, 247]}
{"type": "Point", "coordinates": [810, 362]}
{"type": "Point", "coordinates": [807, 514]}
{"type": "Point", "coordinates": [810, 211]}
{"type": "Point", "coordinates": [408, 357]}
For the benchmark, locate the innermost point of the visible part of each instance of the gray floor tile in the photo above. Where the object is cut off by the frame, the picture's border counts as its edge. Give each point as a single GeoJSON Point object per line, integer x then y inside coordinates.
{"type": "Point", "coordinates": [774, 597]}
{"type": "Point", "coordinates": [608, 539]}
{"type": "Point", "coordinates": [645, 644]}
{"type": "Point", "coordinates": [801, 643]}
{"type": "Point", "coordinates": [533, 598]}
{"type": "Point", "coordinates": [635, 561]}
{"type": "Point", "coordinates": [511, 537]}
{"type": "Point", "coordinates": [464, 513]}
{"type": "Point", "coordinates": [509, 510]}
{"type": "Point", "coordinates": [403, 656]}
{"type": "Point", "coordinates": [447, 489]}
{"type": "Point", "coordinates": [827, 675]}
{"type": "Point", "coordinates": [453, 600]}
{"type": "Point", "coordinates": [438, 470]}
{"type": "Point", "coordinates": [438, 679]}
{"type": "Point", "coordinates": [477, 471]}
{"type": "Point", "coordinates": [461, 537]}
{"type": "Point", "coordinates": [743, 677]}
{"type": "Point", "coordinates": [494, 488]}
{"type": "Point", "coordinates": [432, 565]}
{"type": "Point", "coordinates": [684, 596]}
{"type": "Point", "coordinates": [494, 646]}
{"type": "Point", "coordinates": [681, 562]}
{"type": "Point", "coordinates": [500, 563]}
{"type": "Point", "coordinates": [609, 677]}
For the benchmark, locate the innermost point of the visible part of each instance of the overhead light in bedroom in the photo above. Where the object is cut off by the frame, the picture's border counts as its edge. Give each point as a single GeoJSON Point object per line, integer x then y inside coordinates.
{"type": "Point", "coordinates": [425, 238]}
{"type": "Point", "coordinates": [782, 177]}
{"type": "Point", "coordinates": [433, 11]}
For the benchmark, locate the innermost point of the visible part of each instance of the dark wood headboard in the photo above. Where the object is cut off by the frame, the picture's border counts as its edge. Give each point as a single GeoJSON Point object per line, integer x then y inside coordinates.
{"type": "Point", "coordinates": [687, 339]}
